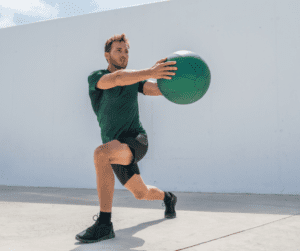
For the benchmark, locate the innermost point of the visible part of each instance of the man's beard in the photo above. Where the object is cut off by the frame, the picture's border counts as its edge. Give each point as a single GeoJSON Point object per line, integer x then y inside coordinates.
{"type": "Point", "coordinates": [123, 66]}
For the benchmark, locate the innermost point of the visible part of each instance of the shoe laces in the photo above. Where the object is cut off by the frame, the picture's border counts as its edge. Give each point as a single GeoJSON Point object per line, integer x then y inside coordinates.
{"type": "Point", "coordinates": [97, 217]}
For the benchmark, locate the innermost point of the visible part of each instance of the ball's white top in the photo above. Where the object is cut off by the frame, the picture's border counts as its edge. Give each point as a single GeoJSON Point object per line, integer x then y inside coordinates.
{"type": "Point", "coordinates": [182, 52]}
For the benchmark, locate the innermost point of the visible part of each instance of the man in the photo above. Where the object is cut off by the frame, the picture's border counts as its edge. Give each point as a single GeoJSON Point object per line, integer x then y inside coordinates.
{"type": "Point", "coordinates": [113, 94]}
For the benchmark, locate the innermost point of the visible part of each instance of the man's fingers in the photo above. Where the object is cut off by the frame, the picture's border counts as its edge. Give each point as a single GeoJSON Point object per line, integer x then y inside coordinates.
{"type": "Point", "coordinates": [162, 60]}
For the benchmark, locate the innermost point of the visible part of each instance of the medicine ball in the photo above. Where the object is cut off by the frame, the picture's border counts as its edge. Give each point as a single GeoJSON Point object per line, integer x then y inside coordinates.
{"type": "Point", "coordinates": [191, 81]}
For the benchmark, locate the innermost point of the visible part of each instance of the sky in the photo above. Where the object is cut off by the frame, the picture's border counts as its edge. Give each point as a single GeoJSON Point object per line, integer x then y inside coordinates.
{"type": "Point", "coordinates": [22, 12]}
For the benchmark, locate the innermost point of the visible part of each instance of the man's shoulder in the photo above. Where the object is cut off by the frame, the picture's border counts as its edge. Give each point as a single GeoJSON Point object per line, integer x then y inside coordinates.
{"type": "Point", "coordinates": [96, 75]}
{"type": "Point", "coordinates": [99, 72]}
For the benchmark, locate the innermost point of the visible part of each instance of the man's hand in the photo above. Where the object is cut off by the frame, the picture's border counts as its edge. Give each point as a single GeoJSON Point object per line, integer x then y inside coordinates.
{"type": "Point", "coordinates": [159, 70]}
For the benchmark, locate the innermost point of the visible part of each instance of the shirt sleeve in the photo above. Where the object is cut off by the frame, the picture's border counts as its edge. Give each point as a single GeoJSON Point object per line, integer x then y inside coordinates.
{"type": "Point", "coordinates": [93, 80]}
{"type": "Point", "coordinates": [141, 86]}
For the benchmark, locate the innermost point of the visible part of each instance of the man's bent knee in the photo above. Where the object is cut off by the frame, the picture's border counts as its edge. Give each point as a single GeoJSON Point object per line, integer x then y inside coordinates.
{"type": "Point", "coordinates": [107, 149]}
{"type": "Point", "coordinates": [141, 196]}
{"type": "Point", "coordinates": [115, 152]}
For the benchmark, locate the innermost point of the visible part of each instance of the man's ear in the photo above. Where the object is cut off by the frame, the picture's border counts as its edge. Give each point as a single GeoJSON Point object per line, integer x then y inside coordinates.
{"type": "Point", "coordinates": [106, 54]}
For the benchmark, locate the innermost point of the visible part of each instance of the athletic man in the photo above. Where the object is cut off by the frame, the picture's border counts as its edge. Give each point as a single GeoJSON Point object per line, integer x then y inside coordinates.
{"type": "Point", "coordinates": [113, 94]}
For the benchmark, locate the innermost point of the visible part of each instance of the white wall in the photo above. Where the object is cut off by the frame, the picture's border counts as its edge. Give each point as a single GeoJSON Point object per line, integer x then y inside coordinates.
{"type": "Point", "coordinates": [242, 136]}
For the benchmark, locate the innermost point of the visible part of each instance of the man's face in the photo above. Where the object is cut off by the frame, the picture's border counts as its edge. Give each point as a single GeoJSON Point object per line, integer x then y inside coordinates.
{"type": "Point", "coordinates": [118, 56]}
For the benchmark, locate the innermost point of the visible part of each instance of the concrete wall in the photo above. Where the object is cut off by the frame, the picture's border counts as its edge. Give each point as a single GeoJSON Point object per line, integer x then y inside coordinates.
{"type": "Point", "coordinates": [241, 137]}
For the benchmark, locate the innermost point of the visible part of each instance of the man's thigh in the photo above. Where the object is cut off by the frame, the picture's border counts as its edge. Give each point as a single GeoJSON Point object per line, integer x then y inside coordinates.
{"type": "Point", "coordinates": [117, 152]}
{"type": "Point", "coordinates": [137, 145]}
{"type": "Point", "coordinates": [139, 148]}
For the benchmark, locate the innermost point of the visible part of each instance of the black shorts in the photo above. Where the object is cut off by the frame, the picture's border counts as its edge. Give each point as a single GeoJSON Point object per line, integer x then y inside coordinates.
{"type": "Point", "coordinates": [139, 148]}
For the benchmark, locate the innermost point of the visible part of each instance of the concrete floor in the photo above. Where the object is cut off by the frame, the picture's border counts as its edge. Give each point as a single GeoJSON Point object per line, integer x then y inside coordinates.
{"type": "Point", "coordinates": [47, 219]}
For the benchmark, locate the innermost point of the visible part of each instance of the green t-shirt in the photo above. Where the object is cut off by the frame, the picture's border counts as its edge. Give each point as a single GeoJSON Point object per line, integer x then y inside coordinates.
{"type": "Point", "coordinates": [116, 109]}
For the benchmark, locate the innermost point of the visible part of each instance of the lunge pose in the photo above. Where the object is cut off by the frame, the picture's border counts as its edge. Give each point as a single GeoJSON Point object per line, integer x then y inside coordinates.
{"type": "Point", "coordinates": [114, 98]}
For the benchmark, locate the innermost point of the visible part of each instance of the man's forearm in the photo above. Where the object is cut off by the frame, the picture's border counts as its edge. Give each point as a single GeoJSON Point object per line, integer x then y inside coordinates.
{"type": "Point", "coordinates": [129, 77]}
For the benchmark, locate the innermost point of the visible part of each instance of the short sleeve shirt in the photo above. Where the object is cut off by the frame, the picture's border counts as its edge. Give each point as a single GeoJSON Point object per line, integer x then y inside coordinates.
{"type": "Point", "coordinates": [116, 109]}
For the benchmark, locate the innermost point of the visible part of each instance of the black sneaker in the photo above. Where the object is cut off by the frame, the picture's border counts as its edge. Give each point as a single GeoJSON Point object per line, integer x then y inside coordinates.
{"type": "Point", "coordinates": [170, 207]}
{"type": "Point", "coordinates": [97, 232]}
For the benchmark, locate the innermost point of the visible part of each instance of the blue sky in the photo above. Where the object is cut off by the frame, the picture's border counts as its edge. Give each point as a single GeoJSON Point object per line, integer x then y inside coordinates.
{"type": "Point", "coordinates": [21, 12]}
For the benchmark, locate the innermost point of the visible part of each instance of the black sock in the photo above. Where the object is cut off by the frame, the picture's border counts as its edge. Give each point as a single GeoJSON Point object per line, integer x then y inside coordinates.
{"type": "Point", "coordinates": [168, 197]}
{"type": "Point", "coordinates": [105, 218]}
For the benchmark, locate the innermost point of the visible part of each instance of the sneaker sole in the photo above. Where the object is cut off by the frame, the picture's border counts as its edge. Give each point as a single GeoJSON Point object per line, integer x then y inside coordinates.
{"type": "Point", "coordinates": [110, 236]}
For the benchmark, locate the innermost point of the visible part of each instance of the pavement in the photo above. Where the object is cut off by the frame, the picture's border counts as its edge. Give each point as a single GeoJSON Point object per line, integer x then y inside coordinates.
{"type": "Point", "coordinates": [48, 219]}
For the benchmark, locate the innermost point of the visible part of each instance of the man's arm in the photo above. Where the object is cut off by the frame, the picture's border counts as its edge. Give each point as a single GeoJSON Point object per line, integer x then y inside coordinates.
{"type": "Point", "coordinates": [151, 89]}
{"type": "Point", "coordinates": [122, 78]}
{"type": "Point", "coordinates": [129, 77]}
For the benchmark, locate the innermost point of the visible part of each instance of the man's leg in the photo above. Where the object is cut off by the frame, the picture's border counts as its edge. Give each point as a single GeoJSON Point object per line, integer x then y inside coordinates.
{"type": "Point", "coordinates": [103, 228]}
{"type": "Point", "coordinates": [141, 191]}
{"type": "Point", "coordinates": [154, 193]}
{"type": "Point", "coordinates": [104, 156]}
{"type": "Point", "coordinates": [112, 152]}
{"type": "Point", "coordinates": [105, 182]}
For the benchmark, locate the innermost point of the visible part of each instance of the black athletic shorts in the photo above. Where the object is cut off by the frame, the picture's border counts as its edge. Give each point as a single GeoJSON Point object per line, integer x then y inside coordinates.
{"type": "Point", "coordinates": [139, 148]}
